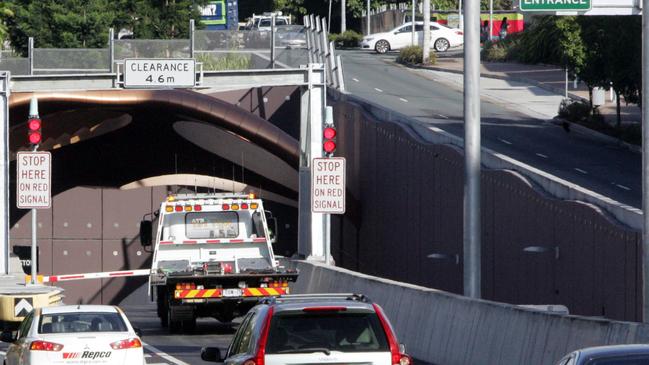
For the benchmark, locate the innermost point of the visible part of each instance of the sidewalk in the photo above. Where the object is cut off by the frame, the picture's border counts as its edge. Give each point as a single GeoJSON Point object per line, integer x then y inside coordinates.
{"type": "Point", "coordinates": [550, 78]}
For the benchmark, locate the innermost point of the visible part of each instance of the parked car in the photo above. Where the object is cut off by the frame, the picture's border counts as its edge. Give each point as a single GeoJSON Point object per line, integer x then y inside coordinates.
{"type": "Point", "coordinates": [441, 38]}
{"type": "Point", "coordinates": [313, 329]}
{"type": "Point", "coordinates": [79, 334]}
{"type": "Point", "coordinates": [608, 355]}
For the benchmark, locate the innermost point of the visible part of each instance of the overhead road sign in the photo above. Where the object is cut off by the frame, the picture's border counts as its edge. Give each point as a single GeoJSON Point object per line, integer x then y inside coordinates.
{"type": "Point", "coordinates": [159, 73]}
{"type": "Point", "coordinates": [555, 5]}
{"type": "Point", "coordinates": [328, 185]}
{"type": "Point", "coordinates": [34, 177]}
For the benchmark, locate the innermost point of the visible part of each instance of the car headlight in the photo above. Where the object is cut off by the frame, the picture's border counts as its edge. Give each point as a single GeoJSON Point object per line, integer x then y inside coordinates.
{"type": "Point", "coordinates": [367, 39]}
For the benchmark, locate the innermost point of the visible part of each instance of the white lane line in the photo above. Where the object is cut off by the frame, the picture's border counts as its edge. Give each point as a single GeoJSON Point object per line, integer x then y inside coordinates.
{"type": "Point", "coordinates": [541, 155]}
{"type": "Point", "coordinates": [442, 116]}
{"type": "Point", "coordinates": [157, 363]}
{"type": "Point", "coordinates": [505, 141]}
{"type": "Point", "coordinates": [580, 170]}
{"type": "Point", "coordinates": [623, 187]}
{"type": "Point", "coordinates": [355, 79]}
{"type": "Point", "coordinates": [164, 355]}
{"type": "Point", "coordinates": [147, 355]}
{"type": "Point", "coordinates": [377, 89]}
{"type": "Point", "coordinates": [404, 100]}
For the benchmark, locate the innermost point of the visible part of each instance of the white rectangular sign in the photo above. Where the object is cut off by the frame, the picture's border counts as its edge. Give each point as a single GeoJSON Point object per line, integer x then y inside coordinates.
{"type": "Point", "coordinates": [34, 180]}
{"type": "Point", "coordinates": [159, 73]}
{"type": "Point", "coordinates": [328, 185]}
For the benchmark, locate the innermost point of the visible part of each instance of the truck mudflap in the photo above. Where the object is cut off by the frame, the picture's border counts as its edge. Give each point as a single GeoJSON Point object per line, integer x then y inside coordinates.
{"type": "Point", "coordinates": [229, 293]}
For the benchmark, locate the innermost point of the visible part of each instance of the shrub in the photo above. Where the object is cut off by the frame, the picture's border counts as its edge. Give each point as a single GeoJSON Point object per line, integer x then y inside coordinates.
{"type": "Point", "coordinates": [412, 55]}
{"type": "Point", "coordinates": [574, 111]}
{"type": "Point", "coordinates": [348, 39]}
{"type": "Point", "coordinates": [494, 52]}
{"type": "Point", "coordinates": [231, 61]}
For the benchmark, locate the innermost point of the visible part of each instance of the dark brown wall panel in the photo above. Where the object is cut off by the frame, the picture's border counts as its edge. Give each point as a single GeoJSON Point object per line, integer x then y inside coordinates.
{"type": "Point", "coordinates": [76, 214]}
{"type": "Point", "coordinates": [23, 228]}
{"type": "Point", "coordinates": [72, 257]}
{"type": "Point", "coordinates": [123, 210]}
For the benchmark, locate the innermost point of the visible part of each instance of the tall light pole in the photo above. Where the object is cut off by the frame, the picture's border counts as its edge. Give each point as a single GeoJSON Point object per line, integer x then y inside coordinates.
{"type": "Point", "coordinates": [459, 11]}
{"type": "Point", "coordinates": [472, 229]}
{"type": "Point", "coordinates": [491, 19]}
{"type": "Point", "coordinates": [414, 4]}
{"type": "Point", "coordinates": [368, 17]}
{"type": "Point", "coordinates": [343, 16]}
{"type": "Point", "coordinates": [426, 45]}
{"type": "Point", "coordinates": [645, 160]}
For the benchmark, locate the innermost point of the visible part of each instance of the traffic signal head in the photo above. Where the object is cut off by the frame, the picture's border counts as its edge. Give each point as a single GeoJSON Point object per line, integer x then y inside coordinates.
{"type": "Point", "coordinates": [328, 143]}
{"type": "Point", "coordinates": [34, 130]}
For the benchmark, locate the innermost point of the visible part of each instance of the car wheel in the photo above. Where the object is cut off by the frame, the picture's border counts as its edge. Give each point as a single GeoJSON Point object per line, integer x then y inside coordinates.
{"type": "Point", "coordinates": [441, 45]}
{"type": "Point", "coordinates": [382, 46]}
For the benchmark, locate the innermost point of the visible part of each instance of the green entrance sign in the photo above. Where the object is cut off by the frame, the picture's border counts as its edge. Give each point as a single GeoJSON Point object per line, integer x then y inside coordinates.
{"type": "Point", "coordinates": [555, 5]}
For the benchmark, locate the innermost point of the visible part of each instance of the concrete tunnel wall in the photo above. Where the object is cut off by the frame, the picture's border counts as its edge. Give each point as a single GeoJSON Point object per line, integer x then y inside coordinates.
{"type": "Point", "coordinates": [447, 329]}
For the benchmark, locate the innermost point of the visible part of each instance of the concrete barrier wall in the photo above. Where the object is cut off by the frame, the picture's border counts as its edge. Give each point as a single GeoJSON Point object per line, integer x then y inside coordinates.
{"type": "Point", "coordinates": [404, 204]}
{"type": "Point", "coordinates": [448, 329]}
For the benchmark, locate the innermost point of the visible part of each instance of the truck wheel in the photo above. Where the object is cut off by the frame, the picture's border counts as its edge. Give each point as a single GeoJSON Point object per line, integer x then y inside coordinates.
{"type": "Point", "coordinates": [173, 324]}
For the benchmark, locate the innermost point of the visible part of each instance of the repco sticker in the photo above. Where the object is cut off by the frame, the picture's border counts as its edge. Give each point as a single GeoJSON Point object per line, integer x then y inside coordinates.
{"type": "Point", "coordinates": [85, 355]}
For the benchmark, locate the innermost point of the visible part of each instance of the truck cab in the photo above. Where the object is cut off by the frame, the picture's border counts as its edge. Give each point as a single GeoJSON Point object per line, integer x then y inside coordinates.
{"type": "Point", "coordinates": [212, 257]}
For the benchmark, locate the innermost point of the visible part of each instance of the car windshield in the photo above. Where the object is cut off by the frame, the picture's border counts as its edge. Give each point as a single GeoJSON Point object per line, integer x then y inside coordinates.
{"type": "Point", "coordinates": [628, 359]}
{"type": "Point", "coordinates": [81, 322]}
{"type": "Point", "coordinates": [324, 332]}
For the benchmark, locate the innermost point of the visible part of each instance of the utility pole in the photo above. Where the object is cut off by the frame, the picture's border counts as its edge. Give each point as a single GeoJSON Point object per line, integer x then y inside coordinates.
{"type": "Point", "coordinates": [414, 35]}
{"type": "Point", "coordinates": [343, 16]}
{"type": "Point", "coordinates": [645, 161]}
{"type": "Point", "coordinates": [426, 46]}
{"type": "Point", "coordinates": [491, 19]}
{"type": "Point", "coordinates": [459, 11]}
{"type": "Point", "coordinates": [472, 147]}
{"type": "Point", "coordinates": [368, 17]}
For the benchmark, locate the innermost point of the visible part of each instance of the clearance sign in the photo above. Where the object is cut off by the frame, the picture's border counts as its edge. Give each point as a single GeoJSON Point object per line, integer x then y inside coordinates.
{"type": "Point", "coordinates": [555, 5]}
{"type": "Point", "coordinates": [328, 185]}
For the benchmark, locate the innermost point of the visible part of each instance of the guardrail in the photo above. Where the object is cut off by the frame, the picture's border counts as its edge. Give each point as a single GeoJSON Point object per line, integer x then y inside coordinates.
{"type": "Point", "coordinates": [320, 50]}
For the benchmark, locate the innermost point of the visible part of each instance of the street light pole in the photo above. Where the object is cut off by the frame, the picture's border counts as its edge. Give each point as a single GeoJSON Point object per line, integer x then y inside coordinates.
{"type": "Point", "coordinates": [645, 161]}
{"type": "Point", "coordinates": [368, 17]}
{"type": "Point", "coordinates": [343, 17]}
{"type": "Point", "coordinates": [426, 46]}
{"type": "Point", "coordinates": [414, 4]}
{"type": "Point", "coordinates": [459, 11]}
{"type": "Point", "coordinates": [472, 229]}
{"type": "Point", "coordinates": [491, 19]}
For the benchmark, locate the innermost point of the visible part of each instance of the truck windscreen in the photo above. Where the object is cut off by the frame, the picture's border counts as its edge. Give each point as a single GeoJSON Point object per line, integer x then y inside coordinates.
{"type": "Point", "coordinates": [203, 225]}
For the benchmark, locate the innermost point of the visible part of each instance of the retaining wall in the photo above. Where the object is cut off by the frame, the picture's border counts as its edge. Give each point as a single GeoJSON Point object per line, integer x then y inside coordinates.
{"type": "Point", "coordinates": [448, 329]}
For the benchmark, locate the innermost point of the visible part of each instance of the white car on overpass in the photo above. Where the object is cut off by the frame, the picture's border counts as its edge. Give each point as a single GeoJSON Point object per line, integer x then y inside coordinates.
{"type": "Point", "coordinates": [441, 38]}
{"type": "Point", "coordinates": [74, 334]}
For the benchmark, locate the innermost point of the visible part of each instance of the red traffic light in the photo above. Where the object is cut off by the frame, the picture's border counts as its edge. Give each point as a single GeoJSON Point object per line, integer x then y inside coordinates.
{"type": "Point", "coordinates": [34, 130]}
{"type": "Point", "coordinates": [329, 133]}
{"type": "Point", "coordinates": [34, 124]}
{"type": "Point", "coordinates": [329, 146]}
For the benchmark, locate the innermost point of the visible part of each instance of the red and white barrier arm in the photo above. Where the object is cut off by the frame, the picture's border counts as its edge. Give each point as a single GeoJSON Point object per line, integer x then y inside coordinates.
{"type": "Point", "coordinates": [92, 275]}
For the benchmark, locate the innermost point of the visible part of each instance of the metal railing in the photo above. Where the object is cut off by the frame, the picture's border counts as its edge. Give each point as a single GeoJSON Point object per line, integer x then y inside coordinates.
{"type": "Point", "coordinates": [285, 47]}
{"type": "Point", "coordinates": [321, 50]}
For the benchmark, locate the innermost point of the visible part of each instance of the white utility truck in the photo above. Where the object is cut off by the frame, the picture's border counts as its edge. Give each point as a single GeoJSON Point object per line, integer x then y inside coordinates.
{"type": "Point", "coordinates": [212, 257]}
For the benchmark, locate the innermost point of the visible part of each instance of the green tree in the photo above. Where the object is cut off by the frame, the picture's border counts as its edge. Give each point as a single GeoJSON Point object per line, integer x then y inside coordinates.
{"type": "Point", "coordinates": [60, 24]}
{"type": "Point", "coordinates": [5, 14]}
{"type": "Point", "coordinates": [157, 19]}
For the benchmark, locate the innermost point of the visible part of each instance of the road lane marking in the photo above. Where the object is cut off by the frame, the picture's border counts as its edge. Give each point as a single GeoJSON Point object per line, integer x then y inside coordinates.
{"type": "Point", "coordinates": [541, 155]}
{"type": "Point", "coordinates": [404, 100]}
{"type": "Point", "coordinates": [442, 116]}
{"type": "Point", "coordinates": [355, 79]}
{"type": "Point", "coordinates": [164, 355]}
{"type": "Point", "coordinates": [505, 141]}
{"type": "Point", "coordinates": [580, 170]}
{"type": "Point", "coordinates": [623, 187]}
{"type": "Point", "coordinates": [147, 355]}
{"type": "Point", "coordinates": [377, 89]}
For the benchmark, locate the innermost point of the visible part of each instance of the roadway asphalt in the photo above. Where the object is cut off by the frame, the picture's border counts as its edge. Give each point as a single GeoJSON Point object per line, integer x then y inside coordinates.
{"type": "Point", "coordinates": [510, 126]}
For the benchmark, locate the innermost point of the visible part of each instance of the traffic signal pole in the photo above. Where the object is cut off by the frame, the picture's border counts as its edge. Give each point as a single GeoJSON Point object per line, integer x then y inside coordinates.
{"type": "Point", "coordinates": [472, 229]}
{"type": "Point", "coordinates": [33, 113]}
{"type": "Point", "coordinates": [645, 160]}
{"type": "Point", "coordinates": [5, 76]}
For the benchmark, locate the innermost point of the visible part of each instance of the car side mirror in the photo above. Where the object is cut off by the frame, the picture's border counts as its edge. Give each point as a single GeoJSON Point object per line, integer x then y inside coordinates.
{"type": "Point", "coordinates": [8, 336]}
{"type": "Point", "coordinates": [273, 234]}
{"type": "Point", "coordinates": [146, 233]}
{"type": "Point", "coordinates": [211, 354]}
{"type": "Point", "coordinates": [138, 332]}
{"type": "Point", "coordinates": [402, 348]}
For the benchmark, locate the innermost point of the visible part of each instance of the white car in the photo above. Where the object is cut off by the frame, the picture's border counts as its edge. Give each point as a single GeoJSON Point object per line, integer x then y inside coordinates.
{"type": "Point", "coordinates": [79, 334]}
{"type": "Point", "coordinates": [441, 38]}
